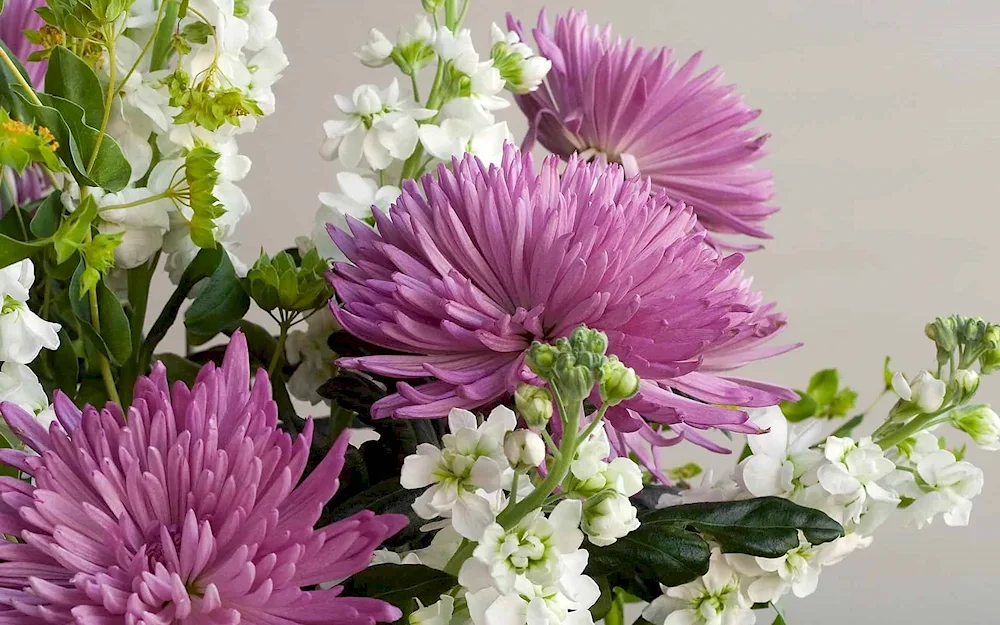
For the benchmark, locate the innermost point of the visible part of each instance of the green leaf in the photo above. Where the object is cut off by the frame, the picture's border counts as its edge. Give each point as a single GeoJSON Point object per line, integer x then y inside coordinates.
{"type": "Point", "coordinates": [779, 620]}
{"type": "Point", "coordinates": [48, 216]}
{"type": "Point", "coordinates": [800, 410]}
{"type": "Point", "coordinates": [197, 32]}
{"type": "Point", "coordinates": [603, 604]}
{"type": "Point", "coordinates": [222, 303]}
{"type": "Point", "coordinates": [823, 386]}
{"type": "Point", "coordinates": [14, 251]}
{"type": "Point", "coordinates": [887, 374]}
{"type": "Point", "coordinates": [842, 403]}
{"type": "Point", "coordinates": [657, 552]}
{"type": "Point", "coordinates": [70, 235]}
{"type": "Point", "coordinates": [162, 44]}
{"type": "Point", "coordinates": [402, 585]}
{"type": "Point", "coordinates": [766, 527]}
{"type": "Point", "coordinates": [114, 338]}
{"type": "Point", "coordinates": [385, 497]}
{"type": "Point", "coordinates": [65, 365]}
{"type": "Point", "coordinates": [71, 78]}
{"type": "Point", "coordinates": [847, 428]}
{"type": "Point", "coordinates": [202, 267]}
{"type": "Point", "coordinates": [9, 84]}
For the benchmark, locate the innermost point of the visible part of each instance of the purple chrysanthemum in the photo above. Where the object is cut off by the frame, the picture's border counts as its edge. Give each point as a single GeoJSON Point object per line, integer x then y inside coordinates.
{"type": "Point", "coordinates": [463, 277]}
{"type": "Point", "coordinates": [187, 509]}
{"type": "Point", "coordinates": [19, 16]}
{"type": "Point", "coordinates": [608, 98]}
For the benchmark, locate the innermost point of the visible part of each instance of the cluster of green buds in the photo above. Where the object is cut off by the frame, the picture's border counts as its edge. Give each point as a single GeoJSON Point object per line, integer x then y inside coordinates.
{"type": "Point", "coordinates": [573, 365]}
{"type": "Point", "coordinates": [964, 341]}
{"type": "Point", "coordinates": [281, 283]}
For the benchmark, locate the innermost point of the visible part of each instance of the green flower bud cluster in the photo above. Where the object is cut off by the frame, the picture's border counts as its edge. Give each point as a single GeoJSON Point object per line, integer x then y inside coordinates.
{"type": "Point", "coordinates": [83, 19]}
{"type": "Point", "coordinates": [965, 341]}
{"type": "Point", "coordinates": [534, 404]}
{"type": "Point", "coordinates": [573, 365]}
{"type": "Point", "coordinates": [280, 283]}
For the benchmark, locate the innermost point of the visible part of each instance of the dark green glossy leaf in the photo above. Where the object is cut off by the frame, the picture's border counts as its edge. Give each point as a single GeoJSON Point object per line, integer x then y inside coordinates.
{"type": "Point", "coordinates": [402, 585]}
{"type": "Point", "coordinates": [14, 251]}
{"type": "Point", "coordinates": [113, 338]}
{"type": "Point", "coordinates": [222, 303]}
{"type": "Point", "coordinates": [779, 620]}
{"type": "Point", "coordinates": [603, 604]}
{"type": "Point", "coordinates": [767, 527]}
{"type": "Point", "coordinates": [202, 267]}
{"type": "Point", "coordinates": [657, 552]}
{"type": "Point", "coordinates": [386, 497]}
{"type": "Point", "coordinates": [65, 365]}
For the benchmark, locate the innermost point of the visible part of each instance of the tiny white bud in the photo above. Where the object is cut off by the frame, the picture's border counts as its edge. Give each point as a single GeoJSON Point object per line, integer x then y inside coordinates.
{"type": "Point", "coordinates": [376, 51]}
{"type": "Point", "coordinates": [967, 382]}
{"type": "Point", "coordinates": [927, 392]}
{"type": "Point", "coordinates": [608, 517]}
{"type": "Point", "coordinates": [524, 449]}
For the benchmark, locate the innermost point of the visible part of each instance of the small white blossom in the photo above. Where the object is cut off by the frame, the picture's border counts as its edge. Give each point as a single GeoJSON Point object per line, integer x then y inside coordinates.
{"type": "Point", "coordinates": [536, 549]}
{"type": "Point", "coordinates": [943, 485]}
{"type": "Point", "coordinates": [357, 197]}
{"type": "Point", "coordinates": [520, 68]}
{"type": "Point", "coordinates": [714, 599]}
{"type": "Point", "coordinates": [780, 456]}
{"type": "Point", "coordinates": [23, 334]}
{"type": "Point", "coordinates": [455, 137]}
{"type": "Point", "coordinates": [439, 613]}
{"type": "Point", "coordinates": [143, 219]}
{"type": "Point", "coordinates": [472, 459]}
{"type": "Point", "coordinates": [375, 52]}
{"type": "Point", "coordinates": [423, 34]}
{"type": "Point", "coordinates": [851, 475]}
{"type": "Point", "coordinates": [379, 127]}
{"type": "Point", "coordinates": [924, 391]}
{"type": "Point", "coordinates": [19, 385]}
{"type": "Point", "coordinates": [262, 25]}
{"type": "Point", "coordinates": [608, 516]}
{"type": "Point", "coordinates": [312, 355]}
{"type": "Point", "coordinates": [590, 455]}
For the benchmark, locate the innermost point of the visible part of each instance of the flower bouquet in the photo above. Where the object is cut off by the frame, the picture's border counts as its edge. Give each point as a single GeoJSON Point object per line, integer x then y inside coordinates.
{"type": "Point", "coordinates": [497, 350]}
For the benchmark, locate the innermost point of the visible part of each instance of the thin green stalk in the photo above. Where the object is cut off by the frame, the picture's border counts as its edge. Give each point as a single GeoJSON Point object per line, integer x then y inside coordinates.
{"type": "Point", "coordinates": [169, 193]}
{"type": "Point", "coordinates": [513, 490]}
{"type": "Point", "coordinates": [916, 425]}
{"type": "Point", "coordinates": [12, 66]}
{"type": "Point", "coordinates": [411, 168]}
{"type": "Point", "coordinates": [279, 350]}
{"type": "Point", "coordinates": [108, 102]}
{"type": "Point", "coordinates": [105, 365]}
{"type": "Point", "coordinates": [416, 87]}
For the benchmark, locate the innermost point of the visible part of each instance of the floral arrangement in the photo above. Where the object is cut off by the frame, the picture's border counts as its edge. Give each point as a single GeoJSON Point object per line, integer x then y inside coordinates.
{"type": "Point", "coordinates": [519, 341]}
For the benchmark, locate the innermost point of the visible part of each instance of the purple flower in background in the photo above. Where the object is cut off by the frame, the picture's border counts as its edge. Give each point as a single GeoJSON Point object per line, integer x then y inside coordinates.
{"type": "Point", "coordinates": [463, 277]}
{"type": "Point", "coordinates": [190, 508]}
{"type": "Point", "coordinates": [19, 16]}
{"type": "Point", "coordinates": [606, 98]}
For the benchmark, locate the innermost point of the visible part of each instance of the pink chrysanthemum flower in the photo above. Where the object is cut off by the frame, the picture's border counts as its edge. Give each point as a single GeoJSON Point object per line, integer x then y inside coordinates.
{"type": "Point", "coordinates": [463, 277]}
{"type": "Point", "coordinates": [607, 98]}
{"type": "Point", "coordinates": [19, 16]}
{"type": "Point", "coordinates": [187, 509]}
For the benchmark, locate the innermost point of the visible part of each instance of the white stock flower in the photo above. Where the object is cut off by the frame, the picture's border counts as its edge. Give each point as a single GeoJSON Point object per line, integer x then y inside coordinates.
{"type": "Point", "coordinates": [608, 516]}
{"type": "Point", "coordinates": [262, 25]}
{"type": "Point", "coordinates": [471, 459]}
{"type": "Point", "coordinates": [455, 137]}
{"type": "Point", "coordinates": [356, 198]}
{"type": "Point", "coordinates": [913, 449]}
{"type": "Point", "coordinates": [522, 70]}
{"type": "Point", "coordinates": [524, 449]}
{"type": "Point", "coordinates": [485, 81]}
{"type": "Point", "coordinates": [457, 48]}
{"type": "Point", "coordinates": [142, 221]}
{"type": "Point", "coordinates": [851, 476]}
{"type": "Point", "coordinates": [780, 456]}
{"type": "Point", "coordinates": [439, 613]}
{"type": "Point", "coordinates": [19, 385]}
{"type": "Point", "coordinates": [943, 485]}
{"type": "Point", "coordinates": [536, 549]}
{"type": "Point", "coordinates": [713, 599]}
{"type": "Point", "coordinates": [376, 51]}
{"type": "Point", "coordinates": [924, 391]}
{"type": "Point", "coordinates": [311, 353]}
{"type": "Point", "coordinates": [379, 127]}
{"type": "Point", "coordinates": [266, 67]}
{"type": "Point", "coordinates": [590, 455]}
{"type": "Point", "coordinates": [23, 334]}
{"type": "Point", "coordinates": [797, 571]}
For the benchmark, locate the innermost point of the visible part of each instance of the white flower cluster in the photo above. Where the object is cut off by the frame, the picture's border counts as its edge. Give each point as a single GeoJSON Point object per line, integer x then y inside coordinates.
{"type": "Point", "coordinates": [220, 82]}
{"type": "Point", "coordinates": [392, 136]}
{"type": "Point", "coordinates": [855, 482]}
{"type": "Point", "coordinates": [531, 570]}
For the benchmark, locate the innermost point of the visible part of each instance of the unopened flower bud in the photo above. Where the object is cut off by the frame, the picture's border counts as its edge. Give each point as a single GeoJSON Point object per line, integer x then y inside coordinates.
{"type": "Point", "coordinates": [989, 362]}
{"type": "Point", "coordinates": [618, 382]}
{"type": "Point", "coordinates": [534, 404]}
{"type": "Point", "coordinates": [607, 517]}
{"type": "Point", "coordinates": [432, 6]}
{"type": "Point", "coordinates": [541, 359]}
{"type": "Point", "coordinates": [982, 424]}
{"type": "Point", "coordinates": [966, 383]}
{"type": "Point", "coordinates": [574, 381]}
{"type": "Point", "coordinates": [524, 450]}
{"type": "Point", "coordinates": [943, 331]}
{"type": "Point", "coordinates": [375, 52]}
{"type": "Point", "coordinates": [583, 340]}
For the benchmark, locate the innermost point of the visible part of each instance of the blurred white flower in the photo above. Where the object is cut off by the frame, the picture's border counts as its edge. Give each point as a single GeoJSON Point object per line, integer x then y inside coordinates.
{"type": "Point", "coordinates": [376, 51]}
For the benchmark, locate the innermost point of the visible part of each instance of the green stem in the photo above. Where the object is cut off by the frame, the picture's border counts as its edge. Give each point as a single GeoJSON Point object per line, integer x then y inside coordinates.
{"type": "Point", "coordinates": [145, 48]}
{"type": "Point", "coordinates": [108, 102]}
{"type": "Point", "coordinates": [451, 14]}
{"type": "Point", "coordinates": [168, 194]}
{"type": "Point", "coordinates": [95, 320]}
{"type": "Point", "coordinates": [916, 425]}
{"type": "Point", "coordinates": [12, 66]}
{"type": "Point", "coordinates": [513, 490]}
{"type": "Point", "coordinates": [412, 168]}
{"type": "Point", "coordinates": [416, 87]}
{"type": "Point", "coordinates": [279, 350]}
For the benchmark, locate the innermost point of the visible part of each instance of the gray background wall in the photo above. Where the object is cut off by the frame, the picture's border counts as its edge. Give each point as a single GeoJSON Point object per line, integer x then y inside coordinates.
{"type": "Point", "coordinates": [885, 151]}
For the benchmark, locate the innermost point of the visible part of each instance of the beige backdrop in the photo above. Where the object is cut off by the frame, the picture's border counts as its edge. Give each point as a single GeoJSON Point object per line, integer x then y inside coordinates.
{"type": "Point", "coordinates": [884, 146]}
